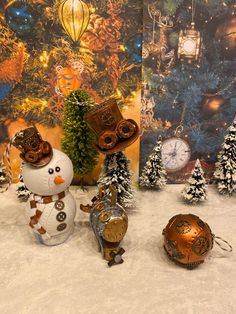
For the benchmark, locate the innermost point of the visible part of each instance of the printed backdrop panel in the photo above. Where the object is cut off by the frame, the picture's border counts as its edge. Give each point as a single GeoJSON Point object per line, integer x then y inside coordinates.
{"type": "Point", "coordinates": [188, 94]}
{"type": "Point", "coordinates": [49, 48]}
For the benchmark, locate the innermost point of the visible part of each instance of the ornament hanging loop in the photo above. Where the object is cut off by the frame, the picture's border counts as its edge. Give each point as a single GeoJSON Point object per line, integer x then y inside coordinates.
{"type": "Point", "coordinates": [180, 127]}
{"type": "Point", "coordinates": [179, 130]}
{"type": "Point", "coordinates": [218, 241]}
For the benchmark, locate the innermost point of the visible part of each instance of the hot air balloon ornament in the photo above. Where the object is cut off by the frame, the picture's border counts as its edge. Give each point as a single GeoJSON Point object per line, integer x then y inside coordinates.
{"type": "Point", "coordinates": [74, 17]}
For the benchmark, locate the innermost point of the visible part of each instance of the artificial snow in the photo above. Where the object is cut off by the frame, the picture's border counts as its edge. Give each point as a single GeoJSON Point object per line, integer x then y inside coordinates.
{"type": "Point", "coordinates": [72, 278]}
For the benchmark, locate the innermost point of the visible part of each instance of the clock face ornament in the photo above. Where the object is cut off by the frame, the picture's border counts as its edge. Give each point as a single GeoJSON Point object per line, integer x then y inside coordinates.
{"type": "Point", "coordinates": [176, 154]}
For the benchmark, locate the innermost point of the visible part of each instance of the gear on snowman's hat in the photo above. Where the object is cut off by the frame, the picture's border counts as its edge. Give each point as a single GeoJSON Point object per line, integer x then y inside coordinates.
{"type": "Point", "coordinates": [34, 150]}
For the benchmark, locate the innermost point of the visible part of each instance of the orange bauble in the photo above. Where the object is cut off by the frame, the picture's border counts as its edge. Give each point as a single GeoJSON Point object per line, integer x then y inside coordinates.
{"type": "Point", "coordinates": [187, 240]}
{"type": "Point", "coordinates": [212, 104]}
{"type": "Point", "coordinates": [226, 36]}
{"type": "Point", "coordinates": [68, 79]}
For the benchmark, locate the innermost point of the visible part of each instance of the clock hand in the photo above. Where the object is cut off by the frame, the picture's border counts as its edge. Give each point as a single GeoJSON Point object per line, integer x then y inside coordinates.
{"type": "Point", "coordinates": [179, 147]}
{"type": "Point", "coordinates": [168, 161]}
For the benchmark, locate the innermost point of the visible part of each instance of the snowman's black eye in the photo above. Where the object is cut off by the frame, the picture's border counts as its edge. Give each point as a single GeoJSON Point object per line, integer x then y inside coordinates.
{"type": "Point", "coordinates": [57, 169]}
{"type": "Point", "coordinates": [50, 171]}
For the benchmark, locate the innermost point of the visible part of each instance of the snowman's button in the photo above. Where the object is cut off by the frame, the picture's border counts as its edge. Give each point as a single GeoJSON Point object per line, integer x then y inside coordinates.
{"type": "Point", "coordinates": [61, 216]}
{"type": "Point", "coordinates": [61, 227]}
{"type": "Point", "coordinates": [59, 205]}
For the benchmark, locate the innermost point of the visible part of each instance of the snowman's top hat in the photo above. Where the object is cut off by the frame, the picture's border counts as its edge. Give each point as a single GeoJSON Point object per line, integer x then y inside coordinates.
{"type": "Point", "coordinates": [34, 150]}
{"type": "Point", "coordinates": [114, 133]}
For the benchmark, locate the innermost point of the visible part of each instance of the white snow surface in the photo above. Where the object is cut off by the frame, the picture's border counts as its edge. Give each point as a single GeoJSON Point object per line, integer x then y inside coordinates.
{"type": "Point", "coordinates": [72, 278]}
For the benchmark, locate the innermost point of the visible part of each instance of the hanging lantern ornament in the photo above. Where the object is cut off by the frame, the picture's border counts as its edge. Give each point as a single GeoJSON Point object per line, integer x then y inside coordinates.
{"type": "Point", "coordinates": [190, 43]}
{"type": "Point", "coordinates": [188, 240]}
{"type": "Point", "coordinates": [74, 17]}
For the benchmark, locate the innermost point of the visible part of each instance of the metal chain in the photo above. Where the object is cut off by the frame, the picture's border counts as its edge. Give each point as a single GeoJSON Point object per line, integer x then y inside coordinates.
{"type": "Point", "coordinates": [180, 127]}
{"type": "Point", "coordinates": [192, 11]}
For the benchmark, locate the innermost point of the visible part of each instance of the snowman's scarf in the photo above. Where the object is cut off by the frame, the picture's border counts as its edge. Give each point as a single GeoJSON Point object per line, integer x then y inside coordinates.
{"type": "Point", "coordinates": [36, 213]}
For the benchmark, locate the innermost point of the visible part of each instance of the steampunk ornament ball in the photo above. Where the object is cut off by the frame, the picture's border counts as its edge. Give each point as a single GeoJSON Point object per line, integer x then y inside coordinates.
{"type": "Point", "coordinates": [187, 240]}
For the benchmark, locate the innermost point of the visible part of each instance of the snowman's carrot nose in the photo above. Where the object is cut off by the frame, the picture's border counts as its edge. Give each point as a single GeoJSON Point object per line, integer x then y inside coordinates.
{"type": "Point", "coordinates": [58, 180]}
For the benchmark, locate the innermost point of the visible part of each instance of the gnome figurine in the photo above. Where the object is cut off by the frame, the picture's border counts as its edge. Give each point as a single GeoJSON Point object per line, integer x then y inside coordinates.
{"type": "Point", "coordinates": [47, 173]}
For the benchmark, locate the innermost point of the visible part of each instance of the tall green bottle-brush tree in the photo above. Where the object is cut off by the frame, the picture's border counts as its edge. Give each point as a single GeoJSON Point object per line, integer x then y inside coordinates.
{"type": "Point", "coordinates": [78, 140]}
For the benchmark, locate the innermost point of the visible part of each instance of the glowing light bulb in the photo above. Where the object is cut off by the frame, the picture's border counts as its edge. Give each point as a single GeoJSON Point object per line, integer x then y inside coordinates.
{"type": "Point", "coordinates": [189, 46]}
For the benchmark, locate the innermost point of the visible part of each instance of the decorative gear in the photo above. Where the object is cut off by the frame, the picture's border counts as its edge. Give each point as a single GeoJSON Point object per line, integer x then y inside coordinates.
{"type": "Point", "coordinates": [116, 257]}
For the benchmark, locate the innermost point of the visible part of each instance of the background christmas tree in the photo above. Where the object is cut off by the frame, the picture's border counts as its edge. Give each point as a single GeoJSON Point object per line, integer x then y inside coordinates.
{"type": "Point", "coordinates": [195, 189]}
{"type": "Point", "coordinates": [201, 93]}
{"type": "Point", "coordinates": [153, 175]}
{"type": "Point", "coordinates": [225, 174]}
{"type": "Point", "coordinates": [78, 141]}
{"type": "Point", "coordinates": [41, 62]}
{"type": "Point", "coordinates": [116, 171]}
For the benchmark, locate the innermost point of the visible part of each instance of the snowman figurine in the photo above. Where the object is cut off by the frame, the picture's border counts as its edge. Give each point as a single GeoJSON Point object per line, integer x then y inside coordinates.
{"type": "Point", "coordinates": [47, 173]}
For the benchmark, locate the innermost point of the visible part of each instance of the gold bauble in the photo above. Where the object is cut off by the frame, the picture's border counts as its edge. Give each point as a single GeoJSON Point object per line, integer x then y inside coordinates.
{"type": "Point", "coordinates": [187, 240]}
{"type": "Point", "coordinates": [74, 17]}
{"type": "Point", "coordinates": [212, 104]}
{"type": "Point", "coordinates": [226, 36]}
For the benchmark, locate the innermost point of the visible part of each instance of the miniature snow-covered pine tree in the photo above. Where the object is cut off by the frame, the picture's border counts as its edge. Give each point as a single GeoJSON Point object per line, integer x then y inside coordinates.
{"type": "Point", "coordinates": [225, 174]}
{"type": "Point", "coordinates": [153, 175]}
{"type": "Point", "coordinates": [22, 192]}
{"type": "Point", "coordinates": [195, 189]}
{"type": "Point", "coordinates": [116, 171]}
{"type": "Point", "coordinates": [3, 178]}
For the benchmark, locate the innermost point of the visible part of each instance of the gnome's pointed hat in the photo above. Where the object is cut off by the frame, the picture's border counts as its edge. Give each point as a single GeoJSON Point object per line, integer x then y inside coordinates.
{"type": "Point", "coordinates": [34, 150]}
